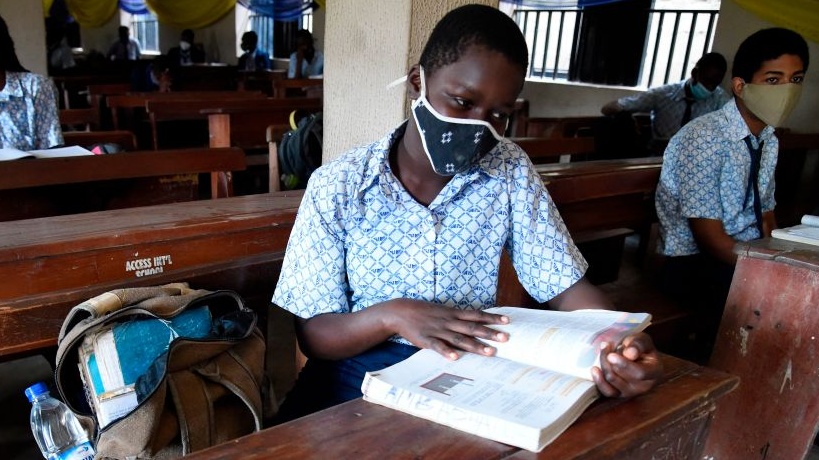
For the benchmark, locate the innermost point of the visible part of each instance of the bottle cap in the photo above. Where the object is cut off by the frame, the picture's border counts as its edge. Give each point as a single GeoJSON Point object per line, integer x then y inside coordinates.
{"type": "Point", "coordinates": [36, 390]}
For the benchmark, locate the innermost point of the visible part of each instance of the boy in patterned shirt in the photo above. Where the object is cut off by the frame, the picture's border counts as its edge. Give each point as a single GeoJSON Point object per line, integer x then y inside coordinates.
{"type": "Point", "coordinates": [397, 244]}
{"type": "Point", "coordinates": [717, 181]}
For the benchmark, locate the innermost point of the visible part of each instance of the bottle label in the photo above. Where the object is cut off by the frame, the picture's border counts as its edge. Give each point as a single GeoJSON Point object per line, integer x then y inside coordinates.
{"type": "Point", "coordinates": [83, 451]}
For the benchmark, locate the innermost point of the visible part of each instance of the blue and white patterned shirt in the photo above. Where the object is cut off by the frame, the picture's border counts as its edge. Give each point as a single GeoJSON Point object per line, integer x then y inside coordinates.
{"type": "Point", "coordinates": [29, 117]}
{"type": "Point", "coordinates": [361, 239]}
{"type": "Point", "coordinates": [667, 106]}
{"type": "Point", "coordinates": [705, 175]}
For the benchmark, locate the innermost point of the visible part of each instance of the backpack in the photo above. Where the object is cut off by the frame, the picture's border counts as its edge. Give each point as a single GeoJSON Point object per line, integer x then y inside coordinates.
{"type": "Point", "coordinates": [205, 388]}
{"type": "Point", "coordinates": [300, 151]}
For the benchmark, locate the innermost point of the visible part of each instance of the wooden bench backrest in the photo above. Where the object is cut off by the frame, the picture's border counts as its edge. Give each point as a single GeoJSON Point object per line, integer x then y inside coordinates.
{"type": "Point", "coordinates": [125, 139]}
{"type": "Point", "coordinates": [561, 126]}
{"type": "Point", "coordinates": [245, 124]}
{"type": "Point", "coordinates": [549, 150]}
{"type": "Point", "coordinates": [84, 119]}
{"type": "Point", "coordinates": [58, 186]}
{"type": "Point", "coordinates": [49, 265]}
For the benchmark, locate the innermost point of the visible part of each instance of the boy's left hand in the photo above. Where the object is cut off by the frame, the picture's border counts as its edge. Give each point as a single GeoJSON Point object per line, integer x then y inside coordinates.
{"type": "Point", "coordinates": [630, 370]}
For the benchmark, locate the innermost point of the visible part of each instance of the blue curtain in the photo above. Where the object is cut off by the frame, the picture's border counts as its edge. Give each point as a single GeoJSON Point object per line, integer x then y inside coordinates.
{"type": "Point", "coordinates": [557, 4]}
{"type": "Point", "coordinates": [133, 6]}
{"type": "Point", "coordinates": [280, 10]}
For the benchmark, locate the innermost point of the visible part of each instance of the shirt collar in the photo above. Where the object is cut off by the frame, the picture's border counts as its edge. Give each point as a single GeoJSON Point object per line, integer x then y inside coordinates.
{"type": "Point", "coordinates": [737, 129]}
{"type": "Point", "coordinates": [678, 92]}
{"type": "Point", "coordinates": [13, 88]}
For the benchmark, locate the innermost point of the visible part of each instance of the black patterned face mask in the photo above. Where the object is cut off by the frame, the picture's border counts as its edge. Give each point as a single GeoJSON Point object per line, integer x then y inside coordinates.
{"type": "Point", "coordinates": [451, 144]}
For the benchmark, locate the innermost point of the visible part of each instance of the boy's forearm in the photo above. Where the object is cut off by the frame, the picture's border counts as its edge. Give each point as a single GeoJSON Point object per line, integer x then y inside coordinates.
{"type": "Point", "coordinates": [581, 294]}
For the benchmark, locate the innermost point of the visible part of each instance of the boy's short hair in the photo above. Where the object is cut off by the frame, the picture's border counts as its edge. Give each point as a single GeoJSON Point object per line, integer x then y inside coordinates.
{"type": "Point", "coordinates": [473, 25]}
{"type": "Point", "coordinates": [765, 45]}
{"type": "Point", "coordinates": [712, 61]}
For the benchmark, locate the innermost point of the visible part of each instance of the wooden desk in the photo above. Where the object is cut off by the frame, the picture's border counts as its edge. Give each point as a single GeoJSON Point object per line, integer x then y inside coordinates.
{"type": "Point", "coordinates": [669, 422]}
{"type": "Point", "coordinates": [69, 185]}
{"type": "Point", "coordinates": [49, 265]}
{"type": "Point", "coordinates": [551, 150]}
{"type": "Point", "coordinates": [769, 337]}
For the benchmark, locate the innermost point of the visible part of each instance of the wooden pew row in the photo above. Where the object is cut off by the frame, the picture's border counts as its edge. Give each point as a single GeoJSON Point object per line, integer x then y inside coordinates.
{"type": "Point", "coordinates": [249, 133]}
{"type": "Point", "coordinates": [256, 126]}
{"type": "Point", "coordinates": [301, 87]}
{"type": "Point", "coordinates": [118, 104]}
{"type": "Point", "coordinates": [88, 119]}
{"type": "Point", "coordinates": [55, 186]}
{"type": "Point", "coordinates": [552, 150]}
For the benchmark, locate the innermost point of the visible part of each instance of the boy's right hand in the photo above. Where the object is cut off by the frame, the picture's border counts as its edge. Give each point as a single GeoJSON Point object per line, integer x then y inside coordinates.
{"type": "Point", "coordinates": [443, 329]}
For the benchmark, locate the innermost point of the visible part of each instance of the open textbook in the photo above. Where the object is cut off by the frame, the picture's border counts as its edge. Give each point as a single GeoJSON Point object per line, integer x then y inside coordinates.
{"type": "Point", "coordinates": [538, 384]}
{"type": "Point", "coordinates": [70, 151]}
{"type": "Point", "coordinates": [806, 232]}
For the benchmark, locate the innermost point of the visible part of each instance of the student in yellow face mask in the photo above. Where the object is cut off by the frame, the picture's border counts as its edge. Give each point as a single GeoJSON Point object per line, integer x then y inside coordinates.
{"type": "Point", "coordinates": [717, 182]}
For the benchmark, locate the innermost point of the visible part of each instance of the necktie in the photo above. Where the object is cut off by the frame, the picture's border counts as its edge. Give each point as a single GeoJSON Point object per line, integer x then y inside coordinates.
{"type": "Point", "coordinates": [753, 181]}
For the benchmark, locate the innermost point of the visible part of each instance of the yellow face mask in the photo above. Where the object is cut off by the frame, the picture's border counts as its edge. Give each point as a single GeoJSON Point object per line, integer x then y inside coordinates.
{"type": "Point", "coordinates": [771, 103]}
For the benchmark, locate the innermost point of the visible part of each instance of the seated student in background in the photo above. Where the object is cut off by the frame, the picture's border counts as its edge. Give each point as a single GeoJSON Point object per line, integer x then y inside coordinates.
{"type": "Point", "coordinates": [187, 52]}
{"type": "Point", "coordinates": [156, 76]}
{"type": "Point", "coordinates": [29, 117]}
{"type": "Point", "coordinates": [397, 244]}
{"type": "Point", "coordinates": [717, 182]}
{"type": "Point", "coordinates": [306, 61]}
{"type": "Point", "coordinates": [125, 48]}
{"type": "Point", "coordinates": [673, 105]}
{"type": "Point", "coordinates": [253, 58]}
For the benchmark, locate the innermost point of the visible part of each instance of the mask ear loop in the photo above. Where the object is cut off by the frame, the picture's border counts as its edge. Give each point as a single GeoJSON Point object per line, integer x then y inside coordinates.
{"type": "Point", "coordinates": [396, 82]}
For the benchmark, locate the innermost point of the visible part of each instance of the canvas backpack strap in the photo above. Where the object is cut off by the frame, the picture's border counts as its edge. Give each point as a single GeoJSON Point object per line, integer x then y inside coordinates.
{"type": "Point", "coordinates": [194, 410]}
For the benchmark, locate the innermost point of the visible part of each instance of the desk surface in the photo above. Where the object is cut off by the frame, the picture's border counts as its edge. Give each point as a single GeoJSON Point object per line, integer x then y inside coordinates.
{"type": "Point", "coordinates": [669, 422]}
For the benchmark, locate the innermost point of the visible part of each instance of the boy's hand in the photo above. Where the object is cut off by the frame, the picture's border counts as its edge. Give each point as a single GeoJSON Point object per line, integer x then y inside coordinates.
{"type": "Point", "coordinates": [631, 370]}
{"type": "Point", "coordinates": [447, 330]}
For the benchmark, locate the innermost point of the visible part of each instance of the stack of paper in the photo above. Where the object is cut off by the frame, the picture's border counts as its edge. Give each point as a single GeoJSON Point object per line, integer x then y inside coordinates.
{"type": "Point", "coordinates": [807, 232]}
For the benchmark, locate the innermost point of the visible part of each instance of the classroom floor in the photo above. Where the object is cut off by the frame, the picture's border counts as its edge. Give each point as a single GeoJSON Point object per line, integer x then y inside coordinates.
{"type": "Point", "coordinates": [634, 285]}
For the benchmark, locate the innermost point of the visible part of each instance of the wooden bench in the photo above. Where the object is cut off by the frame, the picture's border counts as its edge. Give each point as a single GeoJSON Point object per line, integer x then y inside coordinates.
{"type": "Point", "coordinates": [298, 87]}
{"type": "Point", "coordinates": [561, 127]}
{"type": "Point", "coordinates": [88, 119]}
{"type": "Point", "coordinates": [553, 150]}
{"type": "Point", "coordinates": [49, 265]}
{"type": "Point", "coordinates": [257, 126]}
{"type": "Point", "coordinates": [56, 186]}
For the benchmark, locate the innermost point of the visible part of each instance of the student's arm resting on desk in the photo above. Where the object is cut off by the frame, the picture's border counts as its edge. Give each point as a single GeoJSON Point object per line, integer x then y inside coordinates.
{"type": "Point", "coordinates": [628, 370]}
{"type": "Point", "coordinates": [424, 324]}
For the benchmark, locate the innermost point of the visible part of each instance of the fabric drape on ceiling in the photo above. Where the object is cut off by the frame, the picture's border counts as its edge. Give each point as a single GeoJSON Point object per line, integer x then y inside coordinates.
{"type": "Point", "coordinates": [279, 10]}
{"type": "Point", "coordinates": [190, 14]}
{"type": "Point", "coordinates": [134, 6]}
{"type": "Point", "coordinates": [799, 15]}
{"type": "Point", "coordinates": [92, 13]}
{"type": "Point", "coordinates": [558, 4]}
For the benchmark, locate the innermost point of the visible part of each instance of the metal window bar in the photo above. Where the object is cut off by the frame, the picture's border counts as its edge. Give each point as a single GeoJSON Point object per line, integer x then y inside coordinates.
{"type": "Point", "coordinates": [662, 58]}
{"type": "Point", "coordinates": [264, 27]}
{"type": "Point", "coordinates": [146, 31]}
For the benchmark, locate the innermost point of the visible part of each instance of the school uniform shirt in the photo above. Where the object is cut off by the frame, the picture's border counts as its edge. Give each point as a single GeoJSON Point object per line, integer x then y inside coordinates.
{"type": "Point", "coordinates": [29, 118]}
{"type": "Point", "coordinates": [124, 51]}
{"type": "Point", "coordinates": [667, 106]}
{"type": "Point", "coordinates": [705, 174]}
{"type": "Point", "coordinates": [360, 239]}
{"type": "Point", "coordinates": [254, 60]}
{"type": "Point", "coordinates": [308, 69]}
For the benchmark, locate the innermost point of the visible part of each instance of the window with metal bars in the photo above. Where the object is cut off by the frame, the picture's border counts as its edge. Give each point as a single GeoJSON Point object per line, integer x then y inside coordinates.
{"type": "Point", "coordinates": [626, 43]}
{"type": "Point", "coordinates": [278, 38]}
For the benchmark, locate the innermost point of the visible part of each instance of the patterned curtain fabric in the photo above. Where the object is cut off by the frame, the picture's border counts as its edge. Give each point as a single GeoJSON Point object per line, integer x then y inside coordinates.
{"type": "Point", "coordinates": [799, 15]}
{"type": "Point", "coordinates": [134, 6]}
{"type": "Point", "coordinates": [92, 13]}
{"type": "Point", "coordinates": [190, 14]}
{"type": "Point", "coordinates": [280, 10]}
{"type": "Point", "coordinates": [47, 7]}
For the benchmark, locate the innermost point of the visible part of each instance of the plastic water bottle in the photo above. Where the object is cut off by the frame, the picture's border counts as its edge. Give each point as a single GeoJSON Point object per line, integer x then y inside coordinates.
{"type": "Point", "coordinates": [56, 429]}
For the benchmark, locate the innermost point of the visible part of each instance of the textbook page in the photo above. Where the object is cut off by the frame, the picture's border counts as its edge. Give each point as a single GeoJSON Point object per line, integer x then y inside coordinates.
{"type": "Point", "coordinates": [70, 151]}
{"type": "Point", "coordinates": [13, 154]}
{"type": "Point", "coordinates": [566, 342]}
{"type": "Point", "coordinates": [492, 397]}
